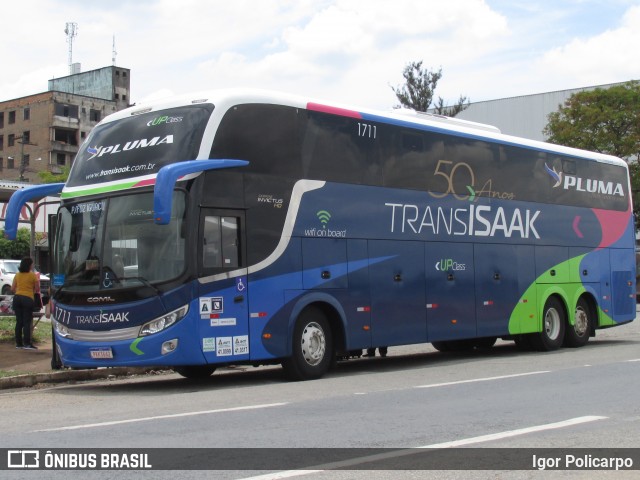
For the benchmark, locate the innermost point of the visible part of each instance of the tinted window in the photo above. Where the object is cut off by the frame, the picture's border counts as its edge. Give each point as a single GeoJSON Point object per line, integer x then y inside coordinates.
{"type": "Point", "coordinates": [265, 135]}
{"type": "Point", "coordinates": [287, 141]}
{"type": "Point", "coordinates": [140, 145]}
{"type": "Point", "coordinates": [467, 167]}
{"type": "Point", "coordinates": [339, 149]}
{"type": "Point", "coordinates": [294, 143]}
{"type": "Point", "coordinates": [221, 242]}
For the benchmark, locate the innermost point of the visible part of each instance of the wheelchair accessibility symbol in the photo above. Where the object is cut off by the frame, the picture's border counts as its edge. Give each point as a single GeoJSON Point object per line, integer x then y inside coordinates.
{"type": "Point", "coordinates": [240, 286]}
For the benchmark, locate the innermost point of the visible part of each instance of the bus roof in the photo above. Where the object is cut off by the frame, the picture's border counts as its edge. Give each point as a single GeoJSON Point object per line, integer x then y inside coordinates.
{"type": "Point", "coordinates": [227, 98]}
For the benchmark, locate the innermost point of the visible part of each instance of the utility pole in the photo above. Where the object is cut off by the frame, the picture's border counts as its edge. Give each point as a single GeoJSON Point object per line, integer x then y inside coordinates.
{"type": "Point", "coordinates": [23, 165]}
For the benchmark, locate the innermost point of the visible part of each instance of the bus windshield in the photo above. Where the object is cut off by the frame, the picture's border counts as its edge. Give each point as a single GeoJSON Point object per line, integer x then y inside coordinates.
{"type": "Point", "coordinates": [114, 243]}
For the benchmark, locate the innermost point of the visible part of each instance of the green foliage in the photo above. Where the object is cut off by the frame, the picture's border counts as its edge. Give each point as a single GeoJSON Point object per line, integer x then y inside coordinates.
{"type": "Point", "coordinates": [605, 121]}
{"type": "Point", "coordinates": [634, 173]}
{"type": "Point", "coordinates": [419, 88]}
{"type": "Point", "coordinates": [48, 177]}
{"type": "Point", "coordinates": [600, 120]}
{"type": "Point", "coordinates": [17, 248]}
{"type": "Point", "coordinates": [41, 333]}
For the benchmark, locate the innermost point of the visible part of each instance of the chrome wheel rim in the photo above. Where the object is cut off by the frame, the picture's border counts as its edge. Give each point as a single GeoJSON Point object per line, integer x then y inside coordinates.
{"type": "Point", "coordinates": [552, 324]}
{"type": "Point", "coordinates": [581, 321]}
{"type": "Point", "coordinates": [313, 344]}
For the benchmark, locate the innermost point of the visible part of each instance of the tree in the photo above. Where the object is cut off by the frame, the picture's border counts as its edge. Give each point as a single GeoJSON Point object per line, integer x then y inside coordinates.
{"type": "Point", "coordinates": [18, 248]}
{"type": "Point", "coordinates": [418, 90]}
{"type": "Point", "coordinates": [605, 120]}
{"type": "Point", "coordinates": [48, 177]}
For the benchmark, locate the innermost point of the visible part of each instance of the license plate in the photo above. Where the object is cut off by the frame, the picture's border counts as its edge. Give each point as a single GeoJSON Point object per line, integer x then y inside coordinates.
{"type": "Point", "coordinates": [98, 353]}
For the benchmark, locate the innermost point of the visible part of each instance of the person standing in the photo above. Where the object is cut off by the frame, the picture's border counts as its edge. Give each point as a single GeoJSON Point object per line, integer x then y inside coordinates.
{"type": "Point", "coordinates": [25, 285]}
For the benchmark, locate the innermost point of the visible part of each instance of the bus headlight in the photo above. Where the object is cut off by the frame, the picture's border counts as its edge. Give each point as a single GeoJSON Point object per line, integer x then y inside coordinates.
{"type": "Point", "coordinates": [164, 322]}
{"type": "Point", "coordinates": [61, 329]}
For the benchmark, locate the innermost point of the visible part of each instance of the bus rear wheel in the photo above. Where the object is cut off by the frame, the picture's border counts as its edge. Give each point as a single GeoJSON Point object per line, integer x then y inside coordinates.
{"type": "Point", "coordinates": [441, 346]}
{"type": "Point", "coordinates": [312, 348]}
{"type": "Point", "coordinates": [577, 335]}
{"type": "Point", "coordinates": [195, 371]}
{"type": "Point", "coordinates": [553, 327]}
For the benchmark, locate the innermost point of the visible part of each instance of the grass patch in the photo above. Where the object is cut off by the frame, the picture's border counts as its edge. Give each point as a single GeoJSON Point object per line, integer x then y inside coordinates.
{"type": "Point", "coordinates": [41, 333]}
{"type": "Point", "coordinates": [13, 373]}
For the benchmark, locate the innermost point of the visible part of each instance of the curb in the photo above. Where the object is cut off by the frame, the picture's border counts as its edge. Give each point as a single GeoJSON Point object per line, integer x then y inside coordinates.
{"type": "Point", "coordinates": [29, 380]}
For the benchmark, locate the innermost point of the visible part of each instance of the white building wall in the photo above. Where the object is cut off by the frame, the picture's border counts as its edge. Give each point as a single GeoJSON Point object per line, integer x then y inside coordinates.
{"type": "Point", "coordinates": [525, 116]}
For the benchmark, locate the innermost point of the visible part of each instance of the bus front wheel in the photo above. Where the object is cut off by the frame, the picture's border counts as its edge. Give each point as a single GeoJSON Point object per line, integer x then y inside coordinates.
{"type": "Point", "coordinates": [195, 371]}
{"type": "Point", "coordinates": [553, 327]}
{"type": "Point", "coordinates": [577, 335]}
{"type": "Point", "coordinates": [312, 348]}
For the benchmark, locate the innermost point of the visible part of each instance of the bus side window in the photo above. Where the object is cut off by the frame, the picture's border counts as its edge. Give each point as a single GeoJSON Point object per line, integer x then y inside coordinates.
{"type": "Point", "coordinates": [221, 242]}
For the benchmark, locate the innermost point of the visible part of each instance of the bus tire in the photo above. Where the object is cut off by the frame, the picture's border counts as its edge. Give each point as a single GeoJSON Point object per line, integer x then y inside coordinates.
{"type": "Point", "coordinates": [441, 346]}
{"type": "Point", "coordinates": [485, 343]}
{"type": "Point", "coordinates": [56, 362]}
{"type": "Point", "coordinates": [195, 371]}
{"type": "Point", "coordinates": [523, 341]}
{"type": "Point", "coordinates": [553, 327]}
{"type": "Point", "coordinates": [312, 347]}
{"type": "Point", "coordinates": [577, 335]}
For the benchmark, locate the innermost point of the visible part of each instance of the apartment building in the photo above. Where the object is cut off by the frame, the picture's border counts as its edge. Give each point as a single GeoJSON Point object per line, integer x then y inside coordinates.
{"type": "Point", "coordinates": [42, 132]}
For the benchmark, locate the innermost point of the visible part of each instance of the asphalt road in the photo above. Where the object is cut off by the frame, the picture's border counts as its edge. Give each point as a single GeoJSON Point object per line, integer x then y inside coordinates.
{"type": "Point", "coordinates": [416, 397]}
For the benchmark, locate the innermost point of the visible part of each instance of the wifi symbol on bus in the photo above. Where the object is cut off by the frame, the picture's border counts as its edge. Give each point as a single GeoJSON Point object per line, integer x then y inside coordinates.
{"type": "Point", "coordinates": [324, 217]}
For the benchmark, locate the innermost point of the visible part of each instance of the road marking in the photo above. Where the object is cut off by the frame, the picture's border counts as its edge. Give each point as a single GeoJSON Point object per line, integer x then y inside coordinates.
{"type": "Point", "coordinates": [163, 417]}
{"type": "Point", "coordinates": [514, 433]}
{"type": "Point", "coordinates": [410, 451]}
{"type": "Point", "coordinates": [486, 379]}
{"type": "Point", "coordinates": [634, 360]}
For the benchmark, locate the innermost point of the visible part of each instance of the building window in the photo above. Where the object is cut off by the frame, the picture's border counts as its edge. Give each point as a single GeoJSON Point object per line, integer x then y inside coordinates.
{"type": "Point", "coordinates": [1, 164]}
{"type": "Point", "coordinates": [61, 159]}
{"type": "Point", "coordinates": [124, 98]}
{"type": "Point", "coordinates": [25, 160]}
{"type": "Point", "coordinates": [66, 136]}
{"type": "Point", "coordinates": [124, 74]}
{"type": "Point", "coordinates": [10, 163]}
{"type": "Point", "coordinates": [11, 140]}
{"type": "Point", "coordinates": [117, 96]}
{"type": "Point", "coordinates": [1, 119]}
{"type": "Point", "coordinates": [83, 135]}
{"type": "Point", "coordinates": [94, 115]}
{"type": "Point", "coordinates": [26, 137]}
{"type": "Point", "coordinates": [1, 142]}
{"type": "Point", "coordinates": [63, 110]}
{"type": "Point", "coordinates": [26, 113]}
{"type": "Point", "coordinates": [12, 117]}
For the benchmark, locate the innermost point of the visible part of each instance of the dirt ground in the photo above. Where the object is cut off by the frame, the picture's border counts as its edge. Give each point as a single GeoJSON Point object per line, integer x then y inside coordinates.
{"type": "Point", "coordinates": [25, 361]}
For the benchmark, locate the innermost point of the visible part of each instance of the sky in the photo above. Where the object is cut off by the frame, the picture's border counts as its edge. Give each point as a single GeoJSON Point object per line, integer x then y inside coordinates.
{"type": "Point", "coordinates": [347, 51]}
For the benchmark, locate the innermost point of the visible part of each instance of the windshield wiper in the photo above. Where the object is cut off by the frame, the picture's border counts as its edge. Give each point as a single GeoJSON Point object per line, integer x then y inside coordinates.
{"type": "Point", "coordinates": [145, 282]}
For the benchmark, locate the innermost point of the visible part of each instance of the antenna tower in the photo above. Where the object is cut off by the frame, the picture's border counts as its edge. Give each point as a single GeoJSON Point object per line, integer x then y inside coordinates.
{"type": "Point", "coordinates": [71, 30]}
{"type": "Point", "coordinates": [113, 51]}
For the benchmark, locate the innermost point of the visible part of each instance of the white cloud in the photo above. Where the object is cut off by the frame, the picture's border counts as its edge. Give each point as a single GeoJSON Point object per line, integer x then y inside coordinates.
{"type": "Point", "coordinates": [346, 50]}
{"type": "Point", "coordinates": [610, 56]}
{"type": "Point", "coordinates": [352, 50]}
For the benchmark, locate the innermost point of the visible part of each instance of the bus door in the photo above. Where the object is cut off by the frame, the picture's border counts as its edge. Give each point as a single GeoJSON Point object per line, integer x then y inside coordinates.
{"type": "Point", "coordinates": [450, 291]}
{"type": "Point", "coordinates": [56, 282]}
{"type": "Point", "coordinates": [396, 272]}
{"type": "Point", "coordinates": [223, 295]}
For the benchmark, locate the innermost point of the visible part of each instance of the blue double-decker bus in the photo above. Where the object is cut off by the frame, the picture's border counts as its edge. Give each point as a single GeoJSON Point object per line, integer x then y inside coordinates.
{"type": "Point", "coordinates": [251, 227]}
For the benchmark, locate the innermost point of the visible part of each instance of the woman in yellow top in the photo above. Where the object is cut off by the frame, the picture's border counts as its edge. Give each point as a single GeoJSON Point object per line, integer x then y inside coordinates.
{"type": "Point", "coordinates": [25, 285]}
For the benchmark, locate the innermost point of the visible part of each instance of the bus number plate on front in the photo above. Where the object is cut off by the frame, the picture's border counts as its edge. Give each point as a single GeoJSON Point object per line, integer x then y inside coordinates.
{"type": "Point", "coordinates": [104, 352]}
